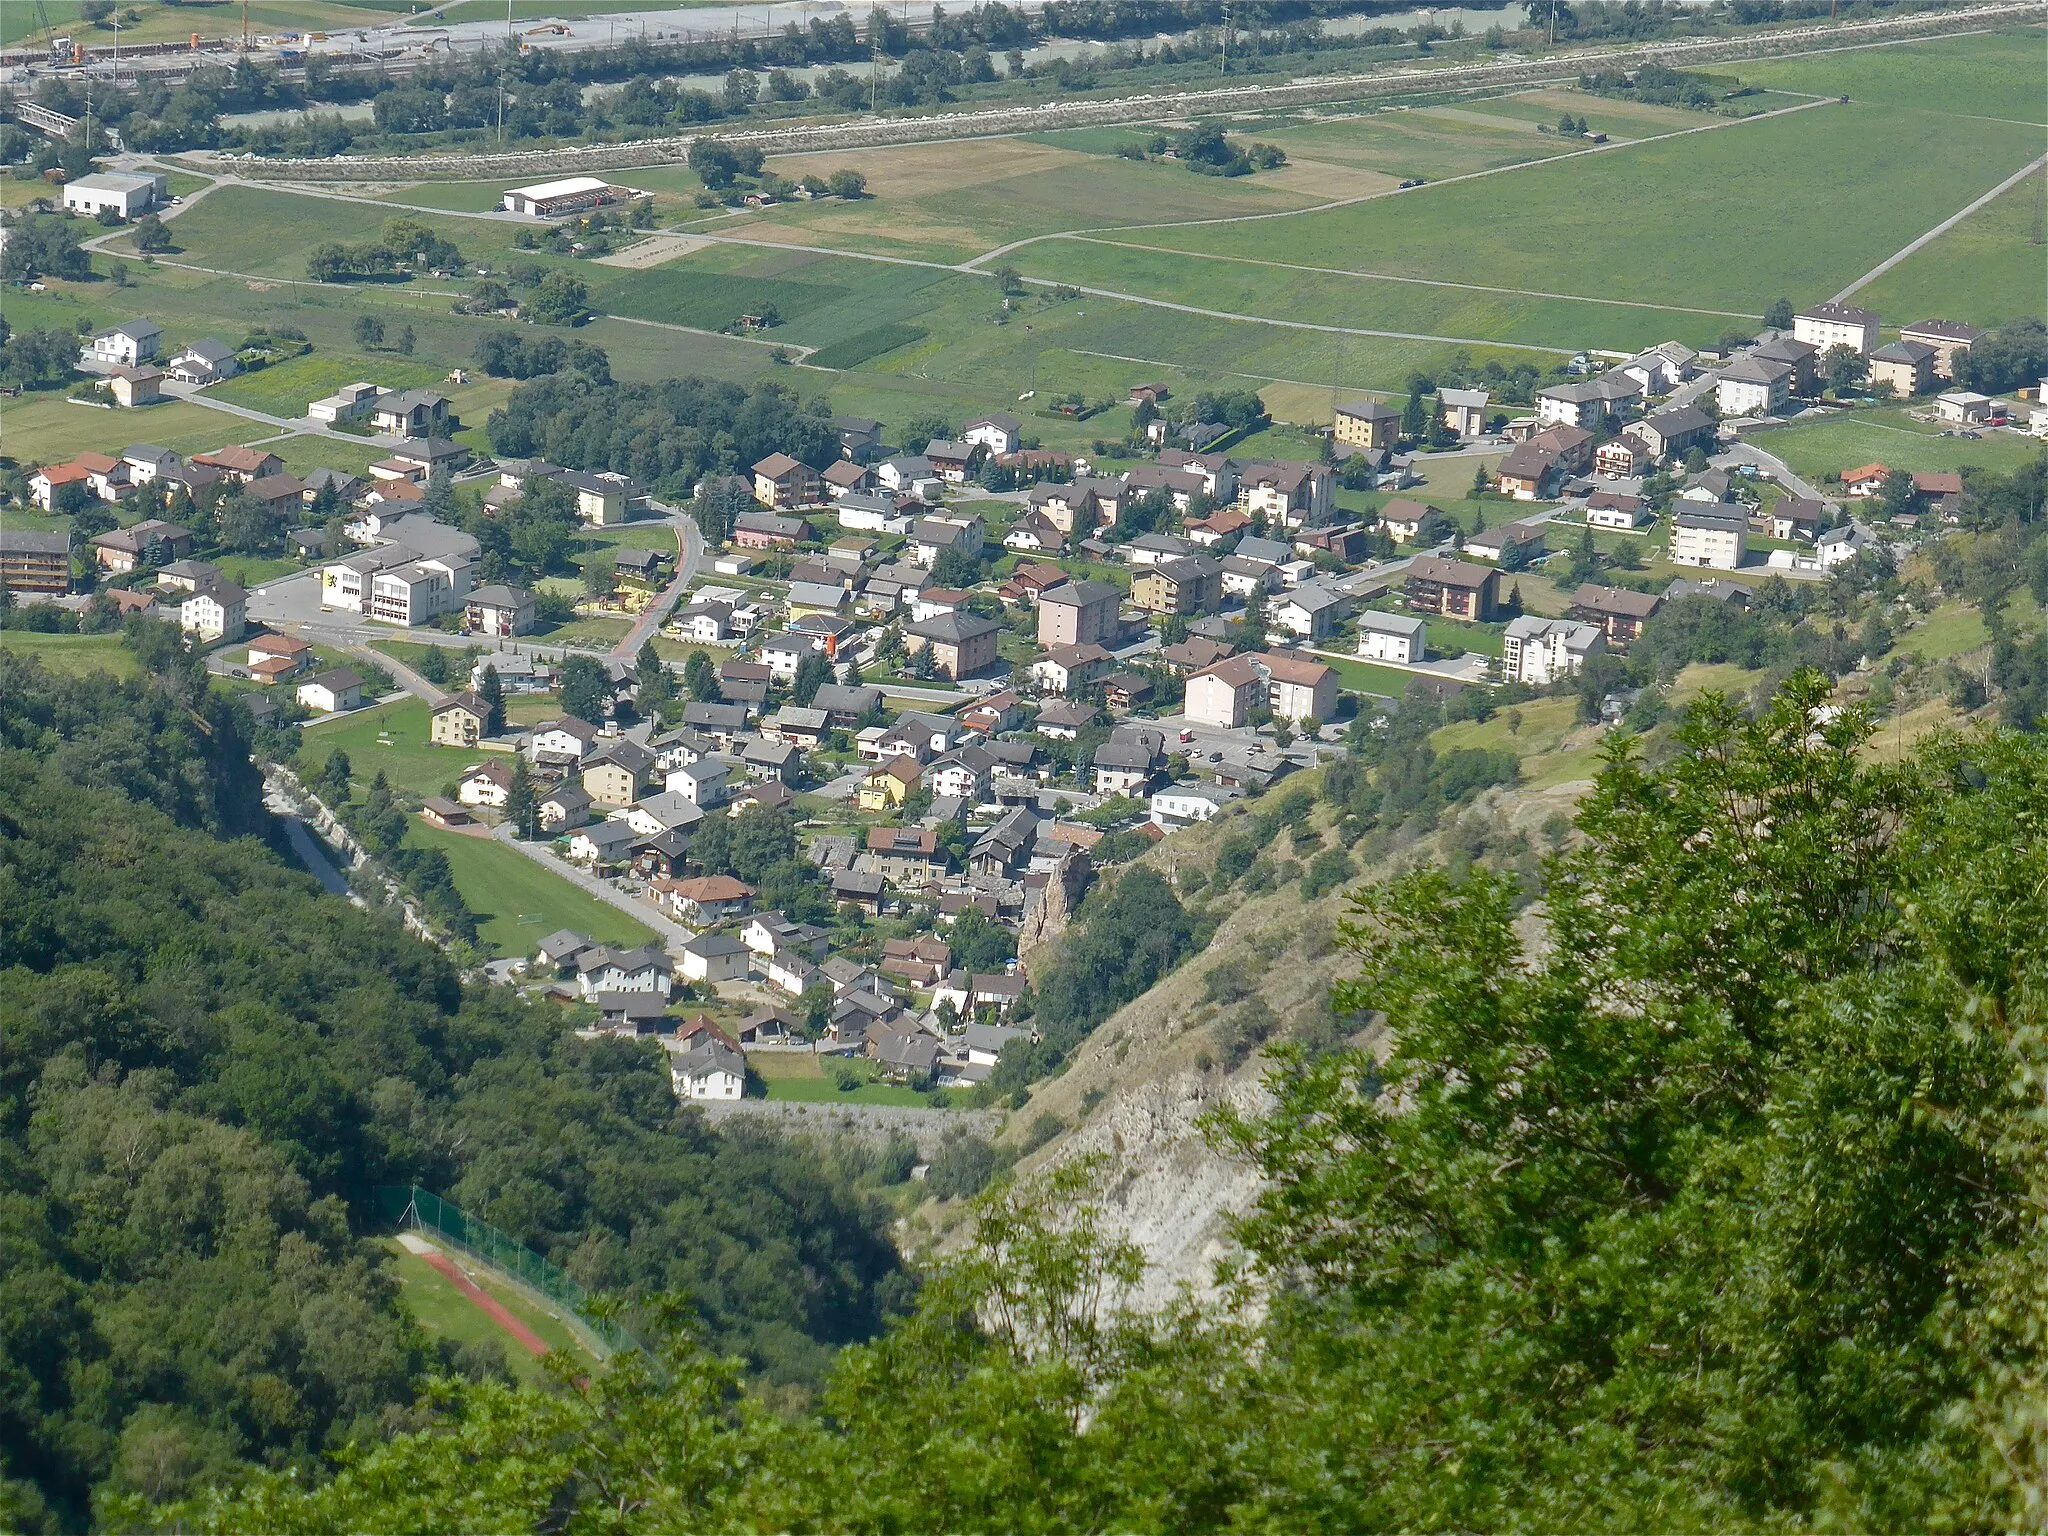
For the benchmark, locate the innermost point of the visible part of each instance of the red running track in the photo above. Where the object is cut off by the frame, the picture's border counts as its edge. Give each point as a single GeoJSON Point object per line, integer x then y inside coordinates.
{"type": "Point", "coordinates": [492, 1308]}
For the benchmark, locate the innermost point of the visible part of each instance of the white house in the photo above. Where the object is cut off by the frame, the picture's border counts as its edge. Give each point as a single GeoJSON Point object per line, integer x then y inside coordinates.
{"type": "Point", "coordinates": [1182, 805]}
{"type": "Point", "coordinates": [1836, 325]}
{"type": "Point", "coordinates": [703, 783]}
{"type": "Point", "coordinates": [206, 361]}
{"type": "Point", "coordinates": [709, 1070]}
{"type": "Point", "coordinates": [784, 653]}
{"type": "Point", "coordinates": [1713, 533]}
{"type": "Point", "coordinates": [128, 195]}
{"type": "Point", "coordinates": [215, 609]}
{"type": "Point", "coordinates": [623, 970]}
{"type": "Point", "coordinates": [129, 343]}
{"type": "Point", "coordinates": [999, 434]}
{"type": "Point", "coordinates": [1401, 638]}
{"type": "Point", "coordinates": [561, 741]}
{"type": "Point", "coordinates": [1753, 387]}
{"type": "Point", "coordinates": [715, 957]}
{"type": "Point", "coordinates": [351, 402]}
{"type": "Point", "coordinates": [332, 691]}
{"type": "Point", "coordinates": [1538, 651]}
{"type": "Point", "coordinates": [1310, 612]}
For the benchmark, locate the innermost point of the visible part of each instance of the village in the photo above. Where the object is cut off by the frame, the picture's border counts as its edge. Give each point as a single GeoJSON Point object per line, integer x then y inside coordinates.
{"type": "Point", "coordinates": [950, 683]}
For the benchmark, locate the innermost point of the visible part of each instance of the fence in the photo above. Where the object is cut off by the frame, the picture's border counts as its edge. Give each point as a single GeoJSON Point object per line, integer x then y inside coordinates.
{"type": "Point", "coordinates": [410, 1206]}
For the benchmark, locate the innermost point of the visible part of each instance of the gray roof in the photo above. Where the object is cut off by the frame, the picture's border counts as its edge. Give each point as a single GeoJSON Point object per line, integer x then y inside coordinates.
{"type": "Point", "coordinates": [1412, 625]}
{"type": "Point", "coordinates": [954, 628]}
{"type": "Point", "coordinates": [1716, 516]}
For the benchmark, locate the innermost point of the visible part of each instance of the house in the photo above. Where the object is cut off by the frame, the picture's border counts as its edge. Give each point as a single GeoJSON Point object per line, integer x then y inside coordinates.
{"type": "Point", "coordinates": [35, 562]}
{"type": "Point", "coordinates": [151, 541]}
{"type": "Point", "coordinates": [1840, 546]}
{"type": "Point", "coordinates": [710, 1070]}
{"type": "Point", "coordinates": [241, 465]}
{"type": "Point", "coordinates": [1904, 367]}
{"type": "Point", "coordinates": [1309, 612]}
{"type": "Point", "coordinates": [125, 194]}
{"type": "Point", "coordinates": [1752, 387]}
{"type": "Point", "coordinates": [128, 344]}
{"type": "Point", "coordinates": [279, 495]}
{"type": "Point", "coordinates": [1963, 407]}
{"type": "Point", "coordinates": [1949, 338]}
{"type": "Point", "coordinates": [1005, 848]}
{"type": "Point", "coordinates": [1126, 690]}
{"type": "Point", "coordinates": [1622, 457]}
{"type": "Point", "coordinates": [1226, 693]}
{"type": "Point", "coordinates": [638, 1013]}
{"type": "Point", "coordinates": [443, 812]}
{"type": "Point", "coordinates": [1507, 542]}
{"type": "Point", "coordinates": [460, 720]}
{"type": "Point", "coordinates": [1190, 584]}
{"type": "Point", "coordinates": [561, 742]}
{"type": "Point", "coordinates": [858, 436]}
{"type": "Point", "coordinates": [617, 774]}
{"type": "Point", "coordinates": [886, 786]}
{"type": "Point", "coordinates": [1941, 490]}
{"type": "Point", "coordinates": [1836, 325]}
{"type": "Point", "coordinates": [931, 537]}
{"type": "Point", "coordinates": [843, 477]}
{"type": "Point", "coordinates": [1619, 612]}
{"type": "Point", "coordinates": [910, 474]}
{"type": "Point", "coordinates": [1528, 472]}
{"type": "Point", "coordinates": [564, 808]}
{"type": "Point", "coordinates": [411, 413]}
{"type": "Point", "coordinates": [1401, 638]}
{"type": "Point", "coordinates": [1298, 689]}
{"type": "Point", "coordinates": [1240, 577]}
{"type": "Point", "coordinates": [499, 610]}
{"type": "Point", "coordinates": [965, 773]}
{"type": "Point", "coordinates": [1803, 356]}
{"type": "Point", "coordinates": [777, 760]}
{"type": "Point", "coordinates": [350, 403]}
{"type": "Point", "coordinates": [1453, 589]}
{"type": "Point", "coordinates": [961, 644]}
{"type": "Point", "coordinates": [1127, 764]}
{"type": "Point", "coordinates": [999, 434]}
{"type": "Point", "coordinates": [1065, 719]}
{"type": "Point", "coordinates": [487, 784]}
{"type": "Point", "coordinates": [1537, 651]}
{"type": "Point", "coordinates": [781, 481]}
{"type": "Point", "coordinates": [1208, 532]}
{"type": "Point", "coordinates": [206, 361]}
{"type": "Point", "coordinates": [131, 387]}
{"type": "Point", "coordinates": [723, 723]}
{"type": "Point", "coordinates": [1290, 495]}
{"type": "Point", "coordinates": [1068, 668]}
{"type": "Point", "coordinates": [1588, 403]}
{"type": "Point", "coordinates": [1714, 533]}
{"type": "Point", "coordinates": [713, 957]}
{"type": "Point", "coordinates": [1078, 613]}
{"type": "Point", "coordinates": [332, 691]}
{"type": "Point", "coordinates": [1800, 517]}
{"type": "Point", "coordinates": [560, 949]}
{"type": "Point", "coordinates": [765, 530]}
{"type": "Point", "coordinates": [1616, 509]}
{"type": "Point", "coordinates": [952, 461]}
{"type": "Point", "coordinates": [1366, 424]}
{"type": "Point", "coordinates": [1464, 410]}
{"type": "Point", "coordinates": [920, 961]}
{"type": "Point", "coordinates": [1034, 534]}
{"type": "Point", "coordinates": [267, 650]}
{"type": "Point", "coordinates": [1672, 434]}
{"type": "Point", "coordinates": [845, 704]}
{"type": "Point", "coordinates": [215, 609]}
{"type": "Point", "coordinates": [1186, 805]}
{"type": "Point", "coordinates": [1072, 508]}
{"type": "Point", "coordinates": [1217, 472]}
{"type": "Point", "coordinates": [606, 842]}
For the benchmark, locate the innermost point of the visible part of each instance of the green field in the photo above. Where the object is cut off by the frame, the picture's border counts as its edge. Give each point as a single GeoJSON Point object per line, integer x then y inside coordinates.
{"type": "Point", "coordinates": [160, 23]}
{"type": "Point", "coordinates": [442, 1311]}
{"type": "Point", "coordinates": [518, 902]}
{"type": "Point", "coordinates": [408, 761]}
{"type": "Point", "coordinates": [74, 655]}
{"type": "Point", "coordinates": [1886, 436]}
{"type": "Point", "coordinates": [796, 1078]}
{"type": "Point", "coordinates": [269, 233]}
{"type": "Point", "coordinates": [1992, 75]}
{"type": "Point", "coordinates": [1426, 141]}
{"type": "Point", "coordinates": [1365, 677]}
{"type": "Point", "coordinates": [1991, 268]}
{"type": "Point", "coordinates": [49, 429]}
{"type": "Point", "coordinates": [284, 389]}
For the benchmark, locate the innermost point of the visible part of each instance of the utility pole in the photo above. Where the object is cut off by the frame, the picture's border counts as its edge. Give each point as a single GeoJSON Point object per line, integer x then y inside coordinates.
{"type": "Point", "coordinates": [1226, 39]}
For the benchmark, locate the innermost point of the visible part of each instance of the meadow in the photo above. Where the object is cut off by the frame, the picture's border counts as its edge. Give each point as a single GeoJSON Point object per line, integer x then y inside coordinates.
{"type": "Point", "coordinates": [48, 429]}
{"type": "Point", "coordinates": [391, 739]}
{"type": "Point", "coordinates": [1996, 74]}
{"type": "Point", "coordinates": [73, 655]}
{"type": "Point", "coordinates": [157, 22]}
{"type": "Point", "coordinates": [1991, 268]}
{"type": "Point", "coordinates": [1887, 436]}
{"type": "Point", "coordinates": [284, 389]}
{"type": "Point", "coordinates": [518, 902]}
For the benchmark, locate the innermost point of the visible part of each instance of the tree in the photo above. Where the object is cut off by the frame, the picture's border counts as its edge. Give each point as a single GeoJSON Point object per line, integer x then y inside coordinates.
{"type": "Point", "coordinates": [521, 808]}
{"type": "Point", "coordinates": [434, 665]}
{"type": "Point", "coordinates": [562, 298]}
{"type": "Point", "coordinates": [653, 681]}
{"type": "Point", "coordinates": [1414, 416]}
{"type": "Point", "coordinates": [920, 430]}
{"type": "Point", "coordinates": [1844, 367]}
{"type": "Point", "coordinates": [849, 184]}
{"type": "Point", "coordinates": [812, 673]}
{"type": "Point", "coordinates": [1901, 497]}
{"type": "Point", "coordinates": [1779, 316]}
{"type": "Point", "coordinates": [1480, 483]}
{"type": "Point", "coordinates": [586, 688]}
{"type": "Point", "coordinates": [336, 777]}
{"type": "Point", "coordinates": [701, 678]}
{"type": "Point", "coordinates": [407, 340]}
{"type": "Point", "coordinates": [491, 689]}
{"type": "Point", "coordinates": [369, 331]}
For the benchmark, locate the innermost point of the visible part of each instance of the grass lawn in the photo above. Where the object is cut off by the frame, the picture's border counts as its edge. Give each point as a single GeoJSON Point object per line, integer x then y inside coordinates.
{"type": "Point", "coordinates": [305, 452]}
{"type": "Point", "coordinates": [1952, 629]}
{"type": "Point", "coordinates": [1885, 435]}
{"type": "Point", "coordinates": [74, 655]}
{"type": "Point", "coordinates": [796, 1077]}
{"type": "Point", "coordinates": [443, 1312]}
{"type": "Point", "coordinates": [391, 739]}
{"type": "Point", "coordinates": [1987, 270]}
{"type": "Point", "coordinates": [518, 902]}
{"type": "Point", "coordinates": [285, 388]}
{"type": "Point", "coordinates": [252, 571]}
{"type": "Point", "coordinates": [1721, 676]}
{"type": "Point", "coordinates": [1365, 677]}
{"type": "Point", "coordinates": [50, 429]}
{"type": "Point", "coordinates": [1527, 730]}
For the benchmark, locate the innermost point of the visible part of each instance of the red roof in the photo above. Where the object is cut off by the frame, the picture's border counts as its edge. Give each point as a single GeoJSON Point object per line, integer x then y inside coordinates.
{"type": "Point", "coordinates": [1866, 472]}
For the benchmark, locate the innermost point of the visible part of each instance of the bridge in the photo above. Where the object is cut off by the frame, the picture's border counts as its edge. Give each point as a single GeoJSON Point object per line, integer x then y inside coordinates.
{"type": "Point", "coordinates": [43, 120]}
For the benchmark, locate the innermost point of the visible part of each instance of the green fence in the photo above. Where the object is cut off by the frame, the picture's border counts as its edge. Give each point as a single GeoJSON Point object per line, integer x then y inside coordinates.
{"type": "Point", "coordinates": [409, 1206]}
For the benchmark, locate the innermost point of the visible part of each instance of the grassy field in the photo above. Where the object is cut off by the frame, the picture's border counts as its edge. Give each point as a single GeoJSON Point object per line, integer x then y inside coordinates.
{"type": "Point", "coordinates": [391, 739]}
{"type": "Point", "coordinates": [73, 655]}
{"type": "Point", "coordinates": [443, 1312]}
{"type": "Point", "coordinates": [1994, 75]}
{"type": "Point", "coordinates": [1987, 270]}
{"type": "Point", "coordinates": [1433, 142]}
{"type": "Point", "coordinates": [50, 429]}
{"type": "Point", "coordinates": [1819, 233]}
{"type": "Point", "coordinates": [286, 388]}
{"type": "Point", "coordinates": [800, 1078]}
{"type": "Point", "coordinates": [159, 23]}
{"type": "Point", "coordinates": [518, 902]}
{"type": "Point", "coordinates": [1886, 436]}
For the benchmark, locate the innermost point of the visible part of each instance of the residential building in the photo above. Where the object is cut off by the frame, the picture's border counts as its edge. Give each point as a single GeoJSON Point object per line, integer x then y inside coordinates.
{"type": "Point", "coordinates": [1712, 533]}
{"type": "Point", "coordinates": [1672, 434]}
{"type": "Point", "coordinates": [332, 691]}
{"type": "Point", "coordinates": [953, 462]}
{"type": "Point", "coordinates": [1068, 668]}
{"type": "Point", "coordinates": [1402, 638]}
{"type": "Point", "coordinates": [1905, 367]}
{"type": "Point", "coordinates": [606, 842]}
{"type": "Point", "coordinates": [1185, 805]}
{"type": "Point", "coordinates": [1537, 651]}
{"type": "Point", "coordinates": [1453, 589]}
{"type": "Point", "coordinates": [1752, 387]}
{"type": "Point", "coordinates": [411, 413]}
{"type": "Point", "coordinates": [152, 541]}
{"type": "Point", "coordinates": [1191, 584]}
{"type": "Point", "coordinates": [1528, 473]}
{"type": "Point", "coordinates": [241, 465]}
{"type": "Point", "coordinates": [962, 644]}
{"type": "Point", "coordinates": [1836, 325]}
{"type": "Point", "coordinates": [352, 402]}
{"type": "Point", "coordinates": [1366, 424]}
{"type": "Point", "coordinates": [1000, 433]}
{"type": "Point", "coordinates": [559, 743]}
{"type": "Point", "coordinates": [1588, 403]}
{"type": "Point", "coordinates": [500, 611]}
{"type": "Point", "coordinates": [1622, 457]}
{"type": "Point", "coordinates": [129, 344]}
{"type": "Point", "coordinates": [1949, 338]}
{"type": "Point", "coordinates": [781, 481]}
{"type": "Point", "coordinates": [215, 609]}
{"type": "Point", "coordinates": [1128, 765]}
{"type": "Point", "coordinates": [1289, 495]}
{"type": "Point", "coordinates": [461, 720]}
{"type": "Point", "coordinates": [1226, 693]}
{"type": "Point", "coordinates": [131, 387]}
{"type": "Point", "coordinates": [206, 361]}
{"type": "Point", "coordinates": [1619, 612]}
{"type": "Point", "coordinates": [1298, 689]}
{"type": "Point", "coordinates": [618, 773]}
{"type": "Point", "coordinates": [1506, 543]}
{"type": "Point", "coordinates": [129, 195]}
{"type": "Point", "coordinates": [1798, 517]}
{"type": "Point", "coordinates": [1803, 356]}
{"type": "Point", "coordinates": [889, 784]}
{"type": "Point", "coordinates": [845, 477]}
{"type": "Point", "coordinates": [858, 436]}
{"type": "Point", "coordinates": [965, 773]}
{"type": "Point", "coordinates": [1310, 612]}
{"type": "Point", "coordinates": [931, 537]}
{"type": "Point", "coordinates": [709, 1071]}
{"type": "Point", "coordinates": [563, 808]}
{"type": "Point", "coordinates": [1464, 410]}
{"type": "Point", "coordinates": [1840, 546]}
{"type": "Point", "coordinates": [1616, 509]}
{"type": "Point", "coordinates": [487, 784]}
{"type": "Point", "coordinates": [709, 957]}
{"type": "Point", "coordinates": [607, 969]}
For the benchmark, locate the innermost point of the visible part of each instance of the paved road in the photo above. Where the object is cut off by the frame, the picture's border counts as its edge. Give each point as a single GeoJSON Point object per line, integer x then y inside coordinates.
{"type": "Point", "coordinates": [690, 554]}
{"type": "Point", "coordinates": [1779, 470]}
{"type": "Point", "coordinates": [674, 933]}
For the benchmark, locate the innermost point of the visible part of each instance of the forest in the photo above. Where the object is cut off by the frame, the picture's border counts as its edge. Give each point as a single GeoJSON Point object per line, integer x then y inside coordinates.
{"type": "Point", "coordinates": [206, 1066]}
{"type": "Point", "coordinates": [1718, 1209]}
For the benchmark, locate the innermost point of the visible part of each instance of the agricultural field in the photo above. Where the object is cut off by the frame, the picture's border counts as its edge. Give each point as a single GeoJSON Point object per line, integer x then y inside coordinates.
{"type": "Point", "coordinates": [47, 429]}
{"type": "Point", "coordinates": [285, 388]}
{"type": "Point", "coordinates": [157, 22]}
{"type": "Point", "coordinates": [518, 902]}
{"type": "Point", "coordinates": [1433, 142]}
{"type": "Point", "coordinates": [1994, 74]}
{"type": "Point", "coordinates": [72, 655]}
{"type": "Point", "coordinates": [1886, 435]}
{"type": "Point", "coordinates": [1987, 270]}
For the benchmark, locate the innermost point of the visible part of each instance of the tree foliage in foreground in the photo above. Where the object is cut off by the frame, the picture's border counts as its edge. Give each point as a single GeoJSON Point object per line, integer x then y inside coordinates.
{"type": "Point", "coordinates": [1717, 1209]}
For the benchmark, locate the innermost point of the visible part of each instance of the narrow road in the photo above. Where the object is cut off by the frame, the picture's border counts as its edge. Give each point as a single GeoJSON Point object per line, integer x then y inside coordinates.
{"type": "Point", "coordinates": [1941, 229]}
{"type": "Point", "coordinates": [408, 679]}
{"type": "Point", "coordinates": [689, 555]}
{"type": "Point", "coordinates": [1749, 453]}
{"type": "Point", "coordinates": [673, 932]}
